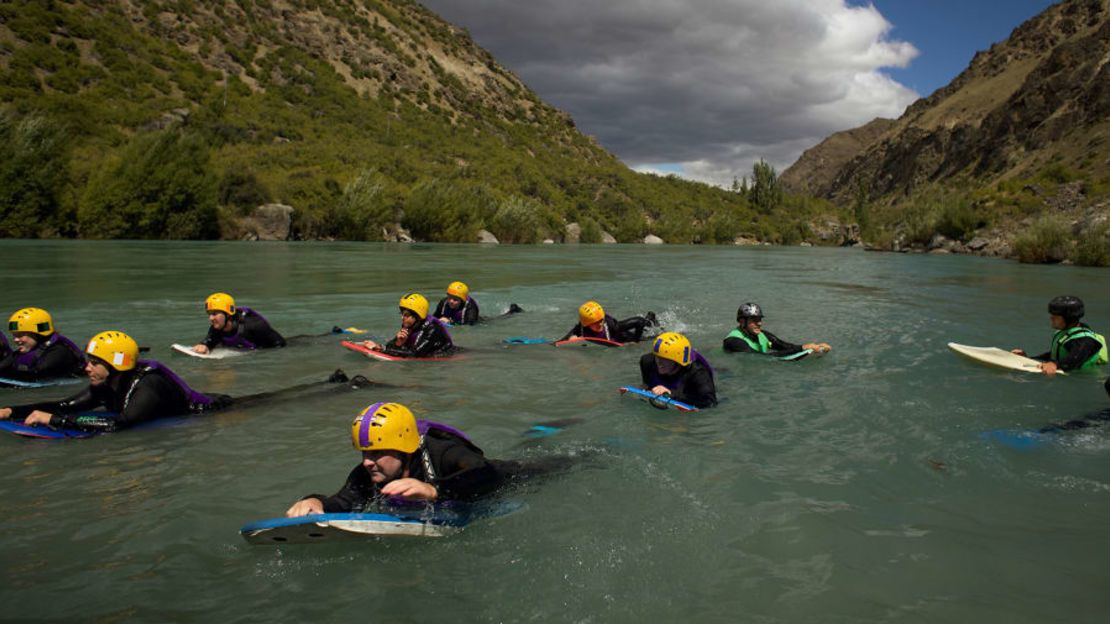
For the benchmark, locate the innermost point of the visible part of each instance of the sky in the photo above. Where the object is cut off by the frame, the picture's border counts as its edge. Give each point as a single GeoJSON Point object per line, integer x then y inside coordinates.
{"type": "Point", "coordinates": [705, 88]}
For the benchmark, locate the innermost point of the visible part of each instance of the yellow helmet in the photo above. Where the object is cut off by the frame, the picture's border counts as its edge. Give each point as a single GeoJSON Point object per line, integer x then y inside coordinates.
{"type": "Point", "coordinates": [32, 321]}
{"type": "Point", "coordinates": [590, 313]}
{"type": "Point", "coordinates": [674, 347]}
{"type": "Point", "coordinates": [220, 302]}
{"type": "Point", "coordinates": [115, 348]}
{"type": "Point", "coordinates": [415, 303]}
{"type": "Point", "coordinates": [458, 289]}
{"type": "Point", "coordinates": [385, 427]}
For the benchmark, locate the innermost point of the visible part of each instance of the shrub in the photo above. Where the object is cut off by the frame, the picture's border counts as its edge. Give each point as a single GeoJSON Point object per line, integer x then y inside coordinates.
{"type": "Point", "coordinates": [1093, 247]}
{"type": "Point", "coordinates": [1046, 241]}
{"type": "Point", "coordinates": [365, 208]}
{"type": "Point", "coordinates": [591, 231]}
{"type": "Point", "coordinates": [160, 187]}
{"type": "Point", "coordinates": [517, 220]}
{"type": "Point", "coordinates": [242, 190]}
{"type": "Point", "coordinates": [32, 173]}
{"type": "Point", "coordinates": [448, 211]}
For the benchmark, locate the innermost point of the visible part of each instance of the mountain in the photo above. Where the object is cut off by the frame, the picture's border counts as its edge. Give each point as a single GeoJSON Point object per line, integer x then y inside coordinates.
{"type": "Point", "coordinates": [371, 119]}
{"type": "Point", "coordinates": [1016, 146]}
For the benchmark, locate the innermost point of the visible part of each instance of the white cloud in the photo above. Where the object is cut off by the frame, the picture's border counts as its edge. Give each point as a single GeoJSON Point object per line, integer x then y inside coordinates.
{"type": "Point", "coordinates": [711, 85]}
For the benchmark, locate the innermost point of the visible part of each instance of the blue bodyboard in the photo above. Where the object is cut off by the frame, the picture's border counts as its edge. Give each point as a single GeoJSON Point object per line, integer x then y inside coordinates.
{"type": "Point", "coordinates": [45, 433]}
{"type": "Point", "coordinates": [1020, 439]}
{"type": "Point", "coordinates": [441, 521]}
{"type": "Point", "coordinates": [524, 340]}
{"type": "Point", "coordinates": [61, 381]}
{"type": "Point", "coordinates": [657, 400]}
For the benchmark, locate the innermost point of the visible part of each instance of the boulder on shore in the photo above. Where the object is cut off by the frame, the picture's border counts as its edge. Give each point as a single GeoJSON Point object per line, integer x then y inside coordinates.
{"type": "Point", "coordinates": [485, 236]}
{"type": "Point", "coordinates": [269, 222]}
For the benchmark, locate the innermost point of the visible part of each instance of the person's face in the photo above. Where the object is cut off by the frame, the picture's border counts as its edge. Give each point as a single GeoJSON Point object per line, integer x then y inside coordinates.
{"type": "Point", "coordinates": [1058, 322]}
{"type": "Point", "coordinates": [383, 466]}
{"type": "Point", "coordinates": [596, 327]}
{"type": "Point", "coordinates": [97, 372]}
{"type": "Point", "coordinates": [408, 319]}
{"type": "Point", "coordinates": [217, 319]}
{"type": "Point", "coordinates": [454, 302]}
{"type": "Point", "coordinates": [666, 367]}
{"type": "Point", "coordinates": [24, 341]}
{"type": "Point", "coordinates": [753, 326]}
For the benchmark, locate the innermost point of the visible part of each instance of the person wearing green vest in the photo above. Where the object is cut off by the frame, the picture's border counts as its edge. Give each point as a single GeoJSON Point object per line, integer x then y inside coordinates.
{"type": "Point", "coordinates": [1074, 345]}
{"type": "Point", "coordinates": [750, 337]}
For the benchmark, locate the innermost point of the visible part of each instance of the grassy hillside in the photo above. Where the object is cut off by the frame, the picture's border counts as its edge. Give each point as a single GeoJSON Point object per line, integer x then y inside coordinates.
{"type": "Point", "coordinates": [173, 118]}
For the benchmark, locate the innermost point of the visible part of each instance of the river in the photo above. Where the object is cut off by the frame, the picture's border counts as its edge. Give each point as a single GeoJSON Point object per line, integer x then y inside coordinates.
{"type": "Point", "coordinates": [853, 487]}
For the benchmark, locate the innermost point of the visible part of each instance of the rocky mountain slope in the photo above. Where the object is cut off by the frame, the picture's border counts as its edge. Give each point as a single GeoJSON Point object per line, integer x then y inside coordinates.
{"type": "Point", "coordinates": [1026, 124]}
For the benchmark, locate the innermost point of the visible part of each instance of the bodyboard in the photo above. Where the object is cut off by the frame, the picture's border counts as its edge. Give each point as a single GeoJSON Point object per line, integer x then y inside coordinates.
{"type": "Point", "coordinates": [218, 353]}
{"type": "Point", "coordinates": [385, 357]}
{"type": "Point", "coordinates": [657, 400]}
{"type": "Point", "coordinates": [19, 383]}
{"type": "Point", "coordinates": [794, 357]}
{"type": "Point", "coordinates": [994, 356]}
{"type": "Point", "coordinates": [524, 340]}
{"type": "Point", "coordinates": [587, 340]}
{"type": "Point", "coordinates": [326, 527]}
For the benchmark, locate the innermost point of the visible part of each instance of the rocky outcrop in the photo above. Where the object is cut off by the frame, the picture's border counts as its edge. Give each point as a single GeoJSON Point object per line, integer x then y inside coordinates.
{"type": "Point", "coordinates": [270, 222]}
{"type": "Point", "coordinates": [832, 232]}
{"type": "Point", "coordinates": [813, 173]}
{"type": "Point", "coordinates": [573, 234]}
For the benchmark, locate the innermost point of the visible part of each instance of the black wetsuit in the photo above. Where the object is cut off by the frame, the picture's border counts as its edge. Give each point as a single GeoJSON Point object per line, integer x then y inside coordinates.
{"type": "Point", "coordinates": [56, 359]}
{"type": "Point", "coordinates": [427, 339]}
{"type": "Point", "coordinates": [465, 314]}
{"type": "Point", "coordinates": [129, 398]}
{"type": "Point", "coordinates": [779, 347]}
{"type": "Point", "coordinates": [1079, 351]}
{"type": "Point", "coordinates": [248, 331]}
{"type": "Point", "coordinates": [462, 472]}
{"type": "Point", "coordinates": [692, 384]}
{"type": "Point", "coordinates": [5, 349]}
{"type": "Point", "coordinates": [629, 330]}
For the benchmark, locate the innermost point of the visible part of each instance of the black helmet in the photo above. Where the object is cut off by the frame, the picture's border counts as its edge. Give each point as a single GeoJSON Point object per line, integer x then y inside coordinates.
{"type": "Point", "coordinates": [749, 310]}
{"type": "Point", "coordinates": [1067, 306]}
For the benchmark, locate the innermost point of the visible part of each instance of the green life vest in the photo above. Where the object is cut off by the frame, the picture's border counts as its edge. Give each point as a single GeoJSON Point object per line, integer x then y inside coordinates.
{"type": "Point", "coordinates": [1060, 342]}
{"type": "Point", "coordinates": [762, 346]}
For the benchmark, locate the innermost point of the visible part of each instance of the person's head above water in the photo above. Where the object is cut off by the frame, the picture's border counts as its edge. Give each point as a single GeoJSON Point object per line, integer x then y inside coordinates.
{"type": "Point", "coordinates": [457, 294]}
{"type": "Point", "coordinates": [110, 352]}
{"type": "Point", "coordinates": [1068, 308]}
{"type": "Point", "coordinates": [590, 313]}
{"type": "Point", "coordinates": [414, 304]}
{"type": "Point", "coordinates": [386, 434]}
{"type": "Point", "coordinates": [672, 350]}
{"type": "Point", "coordinates": [750, 317]}
{"type": "Point", "coordinates": [29, 327]}
{"type": "Point", "coordinates": [220, 307]}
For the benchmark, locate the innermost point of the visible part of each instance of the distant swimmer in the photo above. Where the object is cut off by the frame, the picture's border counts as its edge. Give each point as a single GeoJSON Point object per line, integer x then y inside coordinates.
{"type": "Point", "coordinates": [416, 460]}
{"type": "Point", "coordinates": [236, 327]}
{"type": "Point", "coordinates": [420, 335]}
{"type": "Point", "coordinates": [458, 307]}
{"type": "Point", "coordinates": [1074, 345]}
{"type": "Point", "coordinates": [593, 322]}
{"type": "Point", "coordinates": [131, 391]}
{"type": "Point", "coordinates": [750, 337]}
{"type": "Point", "coordinates": [41, 352]}
{"type": "Point", "coordinates": [674, 368]}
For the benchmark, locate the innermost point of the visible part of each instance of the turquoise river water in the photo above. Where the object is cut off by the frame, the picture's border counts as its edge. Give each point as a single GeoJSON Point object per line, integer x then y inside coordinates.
{"type": "Point", "coordinates": [849, 488]}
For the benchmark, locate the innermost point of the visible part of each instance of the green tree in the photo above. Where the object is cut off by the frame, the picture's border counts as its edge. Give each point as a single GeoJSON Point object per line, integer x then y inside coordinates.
{"type": "Point", "coordinates": [448, 210]}
{"type": "Point", "coordinates": [517, 220]}
{"type": "Point", "coordinates": [368, 205]}
{"type": "Point", "coordinates": [33, 172]}
{"type": "Point", "coordinates": [766, 192]}
{"type": "Point", "coordinates": [159, 187]}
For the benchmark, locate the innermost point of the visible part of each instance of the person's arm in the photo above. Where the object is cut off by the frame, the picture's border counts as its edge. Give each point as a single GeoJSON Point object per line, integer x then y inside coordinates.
{"type": "Point", "coordinates": [780, 347]}
{"type": "Point", "coordinates": [152, 397]}
{"type": "Point", "coordinates": [470, 315]}
{"type": "Point", "coordinates": [737, 345]}
{"type": "Point", "coordinates": [441, 309]}
{"type": "Point", "coordinates": [467, 474]}
{"type": "Point", "coordinates": [80, 402]}
{"type": "Point", "coordinates": [353, 496]}
{"type": "Point", "coordinates": [256, 330]}
{"type": "Point", "coordinates": [574, 331]}
{"type": "Point", "coordinates": [212, 339]}
{"type": "Point", "coordinates": [1079, 351]}
{"type": "Point", "coordinates": [630, 329]}
{"type": "Point", "coordinates": [698, 389]}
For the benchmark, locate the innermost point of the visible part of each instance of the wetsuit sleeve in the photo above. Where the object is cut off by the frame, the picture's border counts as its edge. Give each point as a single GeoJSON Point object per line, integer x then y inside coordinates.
{"type": "Point", "coordinates": [470, 315]}
{"type": "Point", "coordinates": [212, 338]}
{"type": "Point", "coordinates": [630, 329]}
{"type": "Point", "coordinates": [737, 345]}
{"type": "Point", "coordinates": [647, 369]}
{"type": "Point", "coordinates": [153, 396]}
{"type": "Point", "coordinates": [698, 389]}
{"type": "Point", "coordinates": [353, 496]}
{"type": "Point", "coordinates": [440, 307]}
{"type": "Point", "coordinates": [80, 402]}
{"type": "Point", "coordinates": [574, 331]}
{"type": "Point", "coordinates": [1079, 351]}
{"type": "Point", "coordinates": [255, 329]}
{"type": "Point", "coordinates": [781, 347]}
{"type": "Point", "coordinates": [465, 473]}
